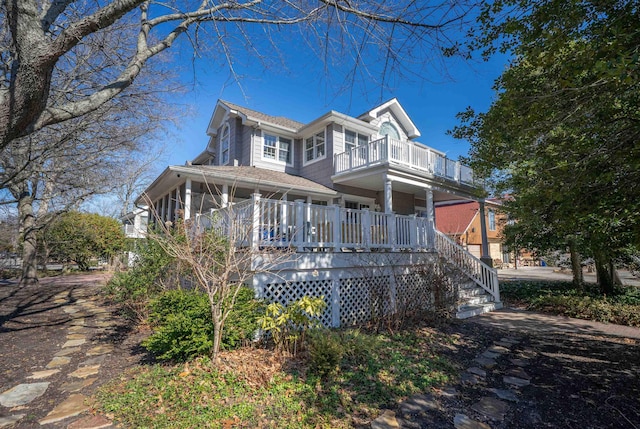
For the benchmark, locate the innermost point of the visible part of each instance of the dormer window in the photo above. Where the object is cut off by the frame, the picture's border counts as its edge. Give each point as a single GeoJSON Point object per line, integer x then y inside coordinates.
{"type": "Point", "coordinates": [276, 148]}
{"type": "Point", "coordinates": [388, 129]}
{"type": "Point", "coordinates": [224, 145]}
{"type": "Point", "coordinates": [314, 147]}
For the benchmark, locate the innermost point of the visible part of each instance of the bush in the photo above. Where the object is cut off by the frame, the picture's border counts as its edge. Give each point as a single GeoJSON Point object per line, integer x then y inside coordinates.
{"type": "Point", "coordinates": [326, 350]}
{"type": "Point", "coordinates": [146, 279]}
{"type": "Point", "coordinates": [562, 298]}
{"type": "Point", "coordinates": [289, 324]}
{"type": "Point", "coordinates": [183, 328]}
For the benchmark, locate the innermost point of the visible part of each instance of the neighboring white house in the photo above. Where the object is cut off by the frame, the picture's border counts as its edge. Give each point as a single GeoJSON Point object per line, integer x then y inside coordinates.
{"type": "Point", "coordinates": [331, 188]}
{"type": "Point", "coordinates": [135, 222]}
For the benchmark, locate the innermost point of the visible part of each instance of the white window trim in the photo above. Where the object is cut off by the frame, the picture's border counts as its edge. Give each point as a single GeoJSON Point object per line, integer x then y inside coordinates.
{"type": "Point", "coordinates": [277, 159]}
{"type": "Point", "coordinates": [304, 147]}
{"type": "Point", "coordinates": [228, 129]}
{"type": "Point", "coordinates": [357, 133]}
{"type": "Point", "coordinates": [491, 214]}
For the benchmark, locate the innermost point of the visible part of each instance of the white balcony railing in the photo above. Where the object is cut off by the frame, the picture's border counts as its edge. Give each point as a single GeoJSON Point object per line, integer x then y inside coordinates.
{"type": "Point", "coordinates": [263, 223]}
{"type": "Point", "coordinates": [408, 154]}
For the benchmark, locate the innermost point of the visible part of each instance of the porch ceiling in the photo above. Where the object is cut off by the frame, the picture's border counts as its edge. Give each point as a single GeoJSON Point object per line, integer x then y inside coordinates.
{"type": "Point", "coordinates": [373, 178]}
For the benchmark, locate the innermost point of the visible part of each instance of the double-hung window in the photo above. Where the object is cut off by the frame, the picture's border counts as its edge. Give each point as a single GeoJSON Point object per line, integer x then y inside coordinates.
{"type": "Point", "coordinates": [492, 220]}
{"type": "Point", "coordinates": [314, 147]}
{"type": "Point", "coordinates": [224, 145]}
{"type": "Point", "coordinates": [353, 139]}
{"type": "Point", "coordinates": [277, 148]}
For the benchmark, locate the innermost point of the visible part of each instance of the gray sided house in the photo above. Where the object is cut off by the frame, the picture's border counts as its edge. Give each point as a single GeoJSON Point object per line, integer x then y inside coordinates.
{"type": "Point", "coordinates": [353, 197]}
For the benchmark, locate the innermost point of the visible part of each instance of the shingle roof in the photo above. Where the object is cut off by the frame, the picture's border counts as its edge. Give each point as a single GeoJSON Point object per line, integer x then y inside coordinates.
{"type": "Point", "coordinates": [453, 219]}
{"type": "Point", "coordinates": [259, 176]}
{"type": "Point", "coordinates": [263, 117]}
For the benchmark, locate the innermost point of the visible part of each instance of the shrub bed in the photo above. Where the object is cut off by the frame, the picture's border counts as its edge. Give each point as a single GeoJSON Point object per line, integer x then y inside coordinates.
{"type": "Point", "coordinates": [562, 298]}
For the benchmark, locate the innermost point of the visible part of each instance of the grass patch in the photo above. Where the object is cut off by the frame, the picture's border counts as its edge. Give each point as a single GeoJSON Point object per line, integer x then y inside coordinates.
{"type": "Point", "coordinates": [258, 388]}
{"type": "Point", "coordinates": [622, 308]}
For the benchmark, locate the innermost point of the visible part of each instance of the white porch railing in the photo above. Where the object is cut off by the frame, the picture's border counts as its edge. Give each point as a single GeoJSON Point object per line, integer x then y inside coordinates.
{"type": "Point", "coordinates": [262, 223]}
{"type": "Point", "coordinates": [408, 154]}
{"type": "Point", "coordinates": [481, 273]}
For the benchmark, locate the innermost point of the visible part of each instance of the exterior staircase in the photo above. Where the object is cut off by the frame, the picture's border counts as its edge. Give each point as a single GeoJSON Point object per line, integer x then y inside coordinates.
{"type": "Point", "coordinates": [473, 300]}
{"type": "Point", "coordinates": [480, 293]}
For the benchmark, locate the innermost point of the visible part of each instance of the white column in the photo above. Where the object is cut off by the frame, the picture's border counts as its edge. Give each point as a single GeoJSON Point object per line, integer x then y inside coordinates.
{"type": "Point", "coordinates": [187, 199]}
{"type": "Point", "coordinates": [388, 196]}
{"type": "Point", "coordinates": [299, 228]}
{"type": "Point", "coordinates": [161, 210]}
{"type": "Point", "coordinates": [170, 203]}
{"type": "Point", "coordinates": [431, 219]}
{"type": "Point", "coordinates": [284, 219]}
{"type": "Point", "coordinates": [255, 226]}
{"type": "Point", "coordinates": [224, 198]}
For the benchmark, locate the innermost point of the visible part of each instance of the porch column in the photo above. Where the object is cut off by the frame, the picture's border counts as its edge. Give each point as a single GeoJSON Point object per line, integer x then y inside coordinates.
{"type": "Point", "coordinates": [168, 217]}
{"type": "Point", "coordinates": [176, 206]}
{"type": "Point", "coordinates": [255, 223]}
{"type": "Point", "coordinates": [388, 196]}
{"type": "Point", "coordinates": [431, 219]}
{"type": "Point", "coordinates": [484, 255]}
{"type": "Point", "coordinates": [187, 199]}
{"type": "Point", "coordinates": [224, 197]}
{"type": "Point", "coordinates": [160, 210]}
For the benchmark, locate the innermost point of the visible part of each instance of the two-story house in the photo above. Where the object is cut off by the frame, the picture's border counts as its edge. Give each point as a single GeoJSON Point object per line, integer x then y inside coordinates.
{"type": "Point", "coordinates": [333, 187]}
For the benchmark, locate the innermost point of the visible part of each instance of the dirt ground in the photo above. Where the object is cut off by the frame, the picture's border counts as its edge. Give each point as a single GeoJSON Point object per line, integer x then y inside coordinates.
{"type": "Point", "coordinates": [579, 377]}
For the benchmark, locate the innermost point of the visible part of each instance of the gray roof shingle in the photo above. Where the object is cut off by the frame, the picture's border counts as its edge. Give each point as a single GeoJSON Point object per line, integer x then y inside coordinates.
{"type": "Point", "coordinates": [263, 117]}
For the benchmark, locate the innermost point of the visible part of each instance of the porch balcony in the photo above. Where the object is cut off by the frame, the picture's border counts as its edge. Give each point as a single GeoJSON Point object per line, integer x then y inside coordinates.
{"type": "Point", "coordinates": [419, 159]}
{"type": "Point", "coordinates": [263, 223]}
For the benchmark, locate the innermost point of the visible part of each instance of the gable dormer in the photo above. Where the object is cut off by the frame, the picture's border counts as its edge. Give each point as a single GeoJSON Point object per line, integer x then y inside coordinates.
{"type": "Point", "coordinates": [392, 120]}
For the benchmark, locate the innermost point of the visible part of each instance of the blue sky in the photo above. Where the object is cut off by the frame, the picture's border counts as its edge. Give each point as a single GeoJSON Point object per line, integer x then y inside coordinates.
{"type": "Point", "coordinates": [431, 100]}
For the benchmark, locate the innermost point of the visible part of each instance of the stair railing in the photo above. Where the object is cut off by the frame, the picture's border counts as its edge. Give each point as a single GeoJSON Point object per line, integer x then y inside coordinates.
{"type": "Point", "coordinates": [482, 274]}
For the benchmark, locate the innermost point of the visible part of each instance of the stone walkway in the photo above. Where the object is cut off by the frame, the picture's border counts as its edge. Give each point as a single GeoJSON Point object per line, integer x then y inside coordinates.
{"type": "Point", "coordinates": [500, 358]}
{"type": "Point", "coordinates": [498, 384]}
{"type": "Point", "coordinates": [74, 366]}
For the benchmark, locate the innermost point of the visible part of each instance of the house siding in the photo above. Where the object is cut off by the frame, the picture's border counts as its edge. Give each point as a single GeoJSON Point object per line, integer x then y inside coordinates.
{"type": "Point", "coordinates": [320, 171]}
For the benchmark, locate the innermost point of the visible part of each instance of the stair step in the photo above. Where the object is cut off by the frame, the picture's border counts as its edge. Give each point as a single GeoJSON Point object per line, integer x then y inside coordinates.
{"type": "Point", "coordinates": [467, 311]}
{"type": "Point", "coordinates": [476, 300]}
{"type": "Point", "coordinates": [471, 292]}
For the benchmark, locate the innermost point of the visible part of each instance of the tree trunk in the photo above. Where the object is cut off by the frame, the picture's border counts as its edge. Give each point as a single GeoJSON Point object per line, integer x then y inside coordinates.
{"type": "Point", "coordinates": [576, 267]}
{"type": "Point", "coordinates": [605, 274]}
{"type": "Point", "coordinates": [29, 240]}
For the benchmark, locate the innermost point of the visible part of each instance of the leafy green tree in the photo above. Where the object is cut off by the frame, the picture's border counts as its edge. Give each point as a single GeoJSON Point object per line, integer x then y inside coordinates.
{"type": "Point", "coordinates": [79, 237]}
{"type": "Point", "coordinates": [562, 133]}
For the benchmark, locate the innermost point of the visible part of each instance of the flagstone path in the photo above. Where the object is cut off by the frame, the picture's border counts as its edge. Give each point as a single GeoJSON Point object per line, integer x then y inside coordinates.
{"type": "Point", "coordinates": [58, 385]}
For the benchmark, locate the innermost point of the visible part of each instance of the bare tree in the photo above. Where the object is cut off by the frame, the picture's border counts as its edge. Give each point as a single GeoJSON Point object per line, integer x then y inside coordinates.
{"type": "Point", "coordinates": [36, 36]}
{"type": "Point", "coordinates": [218, 263]}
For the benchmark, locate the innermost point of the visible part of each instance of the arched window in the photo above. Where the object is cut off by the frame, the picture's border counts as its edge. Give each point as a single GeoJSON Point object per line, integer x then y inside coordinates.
{"type": "Point", "coordinates": [388, 129]}
{"type": "Point", "coordinates": [224, 145]}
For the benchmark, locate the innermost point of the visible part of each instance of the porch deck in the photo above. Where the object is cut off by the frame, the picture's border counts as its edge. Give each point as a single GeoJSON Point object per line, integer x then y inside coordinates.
{"type": "Point", "coordinates": [262, 224]}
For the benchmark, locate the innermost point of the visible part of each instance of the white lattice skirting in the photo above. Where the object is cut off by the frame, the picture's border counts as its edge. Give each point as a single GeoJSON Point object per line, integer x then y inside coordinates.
{"type": "Point", "coordinates": [356, 288]}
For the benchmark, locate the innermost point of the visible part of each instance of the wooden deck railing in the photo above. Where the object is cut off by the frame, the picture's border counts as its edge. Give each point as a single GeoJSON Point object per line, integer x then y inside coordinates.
{"type": "Point", "coordinates": [308, 227]}
{"type": "Point", "coordinates": [481, 273]}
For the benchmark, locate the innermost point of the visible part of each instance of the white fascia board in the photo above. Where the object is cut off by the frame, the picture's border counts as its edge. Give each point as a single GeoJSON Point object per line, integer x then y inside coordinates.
{"type": "Point", "coordinates": [216, 118]}
{"type": "Point", "coordinates": [272, 128]}
{"type": "Point", "coordinates": [398, 112]}
{"type": "Point", "coordinates": [235, 180]}
{"type": "Point", "coordinates": [159, 184]}
{"type": "Point", "coordinates": [337, 118]}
